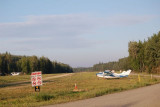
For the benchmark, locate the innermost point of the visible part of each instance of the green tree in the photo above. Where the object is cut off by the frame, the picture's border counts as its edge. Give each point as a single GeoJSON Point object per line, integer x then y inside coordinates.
{"type": "Point", "coordinates": [34, 63]}
{"type": "Point", "coordinates": [25, 66]}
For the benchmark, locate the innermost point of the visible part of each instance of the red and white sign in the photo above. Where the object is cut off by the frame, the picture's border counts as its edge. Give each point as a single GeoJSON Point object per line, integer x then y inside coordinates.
{"type": "Point", "coordinates": [36, 78]}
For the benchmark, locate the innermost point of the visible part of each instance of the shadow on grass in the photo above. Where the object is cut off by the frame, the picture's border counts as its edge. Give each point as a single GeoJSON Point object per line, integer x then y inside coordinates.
{"type": "Point", "coordinates": [14, 84]}
{"type": "Point", "coordinates": [21, 83]}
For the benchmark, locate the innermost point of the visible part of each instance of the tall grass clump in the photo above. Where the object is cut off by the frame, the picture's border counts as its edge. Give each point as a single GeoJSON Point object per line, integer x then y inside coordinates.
{"type": "Point", "coordinates": [44, 97]}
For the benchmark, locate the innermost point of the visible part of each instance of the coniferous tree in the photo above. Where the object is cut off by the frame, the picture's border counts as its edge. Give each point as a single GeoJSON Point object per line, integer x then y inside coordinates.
{"type": "Point", "coordinates": [27, 64]}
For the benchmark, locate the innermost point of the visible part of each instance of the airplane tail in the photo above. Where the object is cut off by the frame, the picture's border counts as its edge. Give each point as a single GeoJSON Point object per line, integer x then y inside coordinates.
{"type": "Point", "coordinates": [128, 72]}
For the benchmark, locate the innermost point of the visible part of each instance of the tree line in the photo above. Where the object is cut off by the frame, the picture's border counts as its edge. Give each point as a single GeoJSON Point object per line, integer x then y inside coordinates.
{"type": "Point", "coordinates": [144, 56]}
{"type": "Point", "coordinates": [121, 64]}
{"type": "Point", "coordinates": [27, 64]}
{"type": "Point", "coordinates": [82, 69]}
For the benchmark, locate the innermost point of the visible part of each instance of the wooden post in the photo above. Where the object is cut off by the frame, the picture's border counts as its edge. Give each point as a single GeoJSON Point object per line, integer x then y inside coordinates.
{"type": "Point", "coordinates": [139, 79]}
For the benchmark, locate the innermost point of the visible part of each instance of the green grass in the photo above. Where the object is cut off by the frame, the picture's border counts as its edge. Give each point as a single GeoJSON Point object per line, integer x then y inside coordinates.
{"type": "Point", "coordinates": [60, 90]}
{"type": "Point", "coordinates": [11, 79]}
{"type": "Point", "coordinates": [19, 78]}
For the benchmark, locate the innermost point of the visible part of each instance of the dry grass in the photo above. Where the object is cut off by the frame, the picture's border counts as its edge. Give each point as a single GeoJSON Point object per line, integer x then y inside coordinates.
{"type": "Point", "coordinates": [19, 78]}
{"type": "Point", "coordinates": [60, 90]}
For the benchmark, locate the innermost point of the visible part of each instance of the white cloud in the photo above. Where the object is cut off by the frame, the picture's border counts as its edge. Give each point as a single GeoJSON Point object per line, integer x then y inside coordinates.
{"type": "Point", "coordinates": [60, 31]}
{"type": "Point", "coordinates": [124, 20]}
{"type": "Point", "coordinates": [52, 25]}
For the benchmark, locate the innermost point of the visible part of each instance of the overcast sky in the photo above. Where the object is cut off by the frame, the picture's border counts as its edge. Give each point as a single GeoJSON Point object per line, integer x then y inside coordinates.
{"type": "Point", "coordinates": [80, 33]}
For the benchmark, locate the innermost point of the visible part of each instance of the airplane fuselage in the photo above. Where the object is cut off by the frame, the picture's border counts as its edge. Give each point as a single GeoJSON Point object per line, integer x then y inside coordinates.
{"type": "Point", "coordinates": [109, 74]}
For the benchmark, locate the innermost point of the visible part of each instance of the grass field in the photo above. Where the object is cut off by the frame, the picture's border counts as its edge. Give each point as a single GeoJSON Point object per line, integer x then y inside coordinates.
{"type": "Point", "coordinates": [60, 90]}
{"type": "Point", "coordinates": [20, 78]}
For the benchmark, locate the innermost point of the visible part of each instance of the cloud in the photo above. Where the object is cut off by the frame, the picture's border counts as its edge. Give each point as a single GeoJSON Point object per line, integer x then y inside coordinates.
{"type": "Point", "coordinates": [61, 31]}
{"type": "Point", "coordinates": [51, 25]}
{"type": "Point", "coordinates": [125, 20]}
{"type": "Point", "coordinates": [52, 31]}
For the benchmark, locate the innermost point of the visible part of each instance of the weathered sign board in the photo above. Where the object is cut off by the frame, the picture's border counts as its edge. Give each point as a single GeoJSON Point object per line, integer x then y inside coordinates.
{"type": "Point", "coordinates": [36, 78]}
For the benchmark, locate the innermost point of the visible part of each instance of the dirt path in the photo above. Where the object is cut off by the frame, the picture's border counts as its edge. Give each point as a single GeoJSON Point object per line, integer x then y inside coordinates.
{"type": "Point", "coordinates": [142, 97]}
{"type": "Point", "coordinates": [28, 83]}
{"type": "Point", "coordinates": [57, 76]}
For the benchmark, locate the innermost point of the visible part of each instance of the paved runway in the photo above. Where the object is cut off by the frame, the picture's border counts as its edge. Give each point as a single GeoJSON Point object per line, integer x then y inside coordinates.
{"type": "Point", "coordinates": [142, 97]}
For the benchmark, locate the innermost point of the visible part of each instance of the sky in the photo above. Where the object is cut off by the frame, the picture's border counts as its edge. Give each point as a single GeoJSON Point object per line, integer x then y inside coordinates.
{"type": "Point", "coordinates": [80, 33]}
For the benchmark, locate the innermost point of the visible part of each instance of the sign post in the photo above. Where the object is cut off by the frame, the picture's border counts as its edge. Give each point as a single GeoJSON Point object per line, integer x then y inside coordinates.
{"type": "Point", "coordinates": [36, 80]}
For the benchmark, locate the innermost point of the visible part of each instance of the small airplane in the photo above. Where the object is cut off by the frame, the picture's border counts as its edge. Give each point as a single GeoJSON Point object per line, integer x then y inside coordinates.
{"type": "Point", "coordinates": [15, 73]}
{"type": "Point", "coordinates": [111, 74]}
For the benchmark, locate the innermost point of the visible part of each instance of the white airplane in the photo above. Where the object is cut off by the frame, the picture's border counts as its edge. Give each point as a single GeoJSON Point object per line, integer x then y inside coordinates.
{"type": "Point", "coordinates": [110, 74]}
{"type": "Point", "coordinates": [15, 73]}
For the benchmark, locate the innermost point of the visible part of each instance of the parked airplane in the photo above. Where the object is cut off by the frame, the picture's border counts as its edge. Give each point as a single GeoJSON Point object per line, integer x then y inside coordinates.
{"type": "Point", "coordinates": [110, 74]}
{"type": "Point", "coordinates": [15, 73]}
